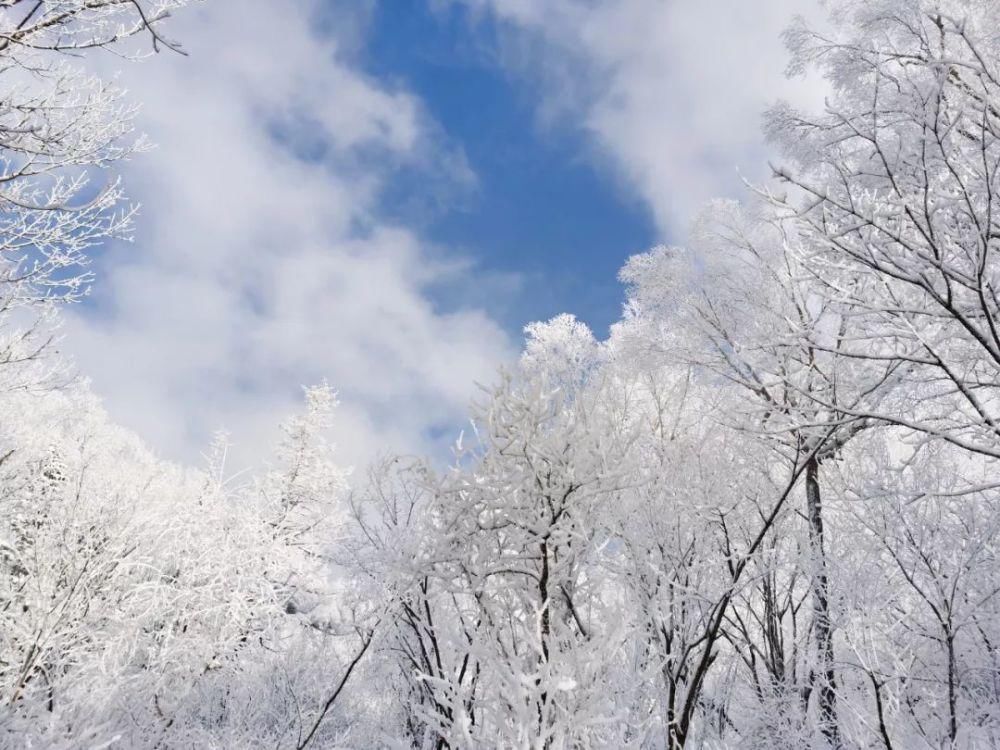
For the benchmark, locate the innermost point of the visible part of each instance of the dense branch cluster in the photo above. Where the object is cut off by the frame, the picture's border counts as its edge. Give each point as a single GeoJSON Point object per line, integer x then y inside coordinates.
{"type": "Point", "coordinates": [762, 513]}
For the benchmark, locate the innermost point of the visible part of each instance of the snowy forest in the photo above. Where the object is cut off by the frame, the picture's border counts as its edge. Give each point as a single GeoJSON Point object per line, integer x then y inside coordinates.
{"type": "Point", "coordinates": [763, 513]}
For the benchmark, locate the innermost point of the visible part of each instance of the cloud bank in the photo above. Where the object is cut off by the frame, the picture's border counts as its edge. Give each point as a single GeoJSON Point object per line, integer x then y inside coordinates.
{"type": "Point", "coordinates": [262, 261]}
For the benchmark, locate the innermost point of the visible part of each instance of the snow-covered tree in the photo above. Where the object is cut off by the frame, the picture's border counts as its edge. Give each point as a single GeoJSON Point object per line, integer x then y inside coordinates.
{"type": "Point", "coordinates": [63, 130]}
{"type": "Point", "coordinates": [894, 191]}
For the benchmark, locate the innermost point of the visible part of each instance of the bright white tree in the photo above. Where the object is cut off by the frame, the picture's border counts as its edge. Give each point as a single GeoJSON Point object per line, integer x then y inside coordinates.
{"type": "Point", "coordinates": [63, 131]}
{"type": "Point", "coordinates": [896, 199]}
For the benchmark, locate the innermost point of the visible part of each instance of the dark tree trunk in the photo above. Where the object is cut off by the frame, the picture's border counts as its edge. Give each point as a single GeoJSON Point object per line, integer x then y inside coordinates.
{"type": "Point", "coordinates": [827, 694]}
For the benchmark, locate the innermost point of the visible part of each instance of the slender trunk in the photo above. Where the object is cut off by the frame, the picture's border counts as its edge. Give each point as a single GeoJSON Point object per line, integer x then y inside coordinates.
{"type": "Point", "coordinates": [545, 628]}
{"type": "Point", "coordinates": [827, 696]}
{"type": "Point", "coordinates": [366, 641]}
{"type": "Point", "coordinates": [543, 596]}
{"type": "Point", "coordinates": [952, 669]}
{"type": "Point", "coordinates": [880, 708]}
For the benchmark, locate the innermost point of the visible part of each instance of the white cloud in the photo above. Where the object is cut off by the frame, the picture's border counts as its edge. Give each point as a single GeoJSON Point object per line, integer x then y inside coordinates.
{"type": "Point", "coordinates": [262, 262]}
{"type": "Point", "coordinates": [670, 91]}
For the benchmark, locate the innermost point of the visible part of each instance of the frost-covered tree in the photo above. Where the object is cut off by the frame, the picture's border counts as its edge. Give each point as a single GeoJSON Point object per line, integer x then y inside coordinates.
{"type": "Point", "coordinates": [894, 191]}
{"type": "Point", "coordinates": [919, 661]}
{"type": "Point", "coordinates": [151, 606]}
{"type": "Point", "coordinates": [63, 131]}
{"type": "Point", "coordinates": [517, 553]}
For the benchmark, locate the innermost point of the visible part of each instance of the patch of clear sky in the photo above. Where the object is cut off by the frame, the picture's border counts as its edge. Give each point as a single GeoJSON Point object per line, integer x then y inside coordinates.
{"type": "Point", "coordinates": [541, 210]}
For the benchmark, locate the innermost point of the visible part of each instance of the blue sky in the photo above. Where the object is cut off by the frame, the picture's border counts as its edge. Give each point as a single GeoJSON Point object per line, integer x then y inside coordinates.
{"type": "Point", "coordinates": [382, 194]}
{"type": "Point", "coordinates": [541, 209]}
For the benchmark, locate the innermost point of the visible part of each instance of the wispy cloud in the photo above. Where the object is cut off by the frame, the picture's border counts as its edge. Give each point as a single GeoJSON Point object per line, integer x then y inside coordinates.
{"type": "Point", "coordinates": [670, 92]}
{"type": "Point", "coordinates": [263, 261]}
